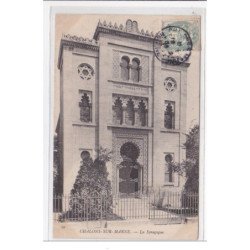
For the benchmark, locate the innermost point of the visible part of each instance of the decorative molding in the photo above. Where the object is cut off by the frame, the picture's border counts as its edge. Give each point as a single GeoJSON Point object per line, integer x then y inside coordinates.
{"type": "Point", "coordinates": [135, 99]}
{"type": "Point", "coordinates": [164, 130]}
{"type": "Point", "coordinates": [76, 42]}
{"type": "Point", "coordinates": [84, 54]}
{"type": "Point", "coordinates": [130, 127]}
{"type": "Point", "coordinates": [83, 124]}
{"type": "Point", "coordinates": [123, 31]}
{"type": "Point", "coordinates": [168, 184]}
{"type": "Point", "coordinates": [79, 39]}
{"type": "Point", "coordinates": [131, 83]}
{"type": "Point", "coordinates": [130, 47]}
{"type": "Point", "coordinates": [183, 65]}
{"type": "Point", "coordinates": [90, 150]}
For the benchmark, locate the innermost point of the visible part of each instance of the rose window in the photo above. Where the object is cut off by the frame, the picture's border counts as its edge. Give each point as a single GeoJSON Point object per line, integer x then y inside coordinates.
{"type": "Point", "coordinates": [85, 71]}
{"type": "Point", "coordinates": [170, 84]}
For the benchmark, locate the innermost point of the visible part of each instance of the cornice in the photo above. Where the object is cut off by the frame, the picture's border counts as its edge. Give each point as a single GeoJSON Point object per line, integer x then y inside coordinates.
{"type": "Point", "coordinates": [172, 67]}
{"type": "Point", "coordinates": [76, 42]}
{"type": "Point", "coordinates": [123, 32]}
{"type": "Point", "coordinates": [130, 83]}
{"type": "Point", "coordinates": [127, 127]}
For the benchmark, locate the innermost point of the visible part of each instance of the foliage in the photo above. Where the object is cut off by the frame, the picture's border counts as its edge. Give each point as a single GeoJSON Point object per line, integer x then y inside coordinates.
{"type": "Point", "coordinates": [91, 193]}
{"type": "Point", "coordinates": [190, 167]}
{"type": "Point", "coordinates": [192, 162]}
{"type": "Point", "coordinates": [192, 143]}
{"type": "Point", "coordinates": [55, 178]}
{"type": "Point", "coordinates": [56, 175]}
{"type": "Point", "coordinates": [104, 154]}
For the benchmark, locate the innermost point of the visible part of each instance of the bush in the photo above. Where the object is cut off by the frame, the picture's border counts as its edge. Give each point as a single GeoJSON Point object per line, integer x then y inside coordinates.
{"type": "Point", "coordinates": [91, 196]}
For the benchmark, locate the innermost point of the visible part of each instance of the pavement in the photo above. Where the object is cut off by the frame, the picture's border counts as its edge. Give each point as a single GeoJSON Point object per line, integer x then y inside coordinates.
{"type": "Point", "coordinates": [133, 229]}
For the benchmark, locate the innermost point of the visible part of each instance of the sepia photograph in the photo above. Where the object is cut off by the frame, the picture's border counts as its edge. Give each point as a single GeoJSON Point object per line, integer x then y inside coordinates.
{"type": "Point", "coordinates": [126, 126]}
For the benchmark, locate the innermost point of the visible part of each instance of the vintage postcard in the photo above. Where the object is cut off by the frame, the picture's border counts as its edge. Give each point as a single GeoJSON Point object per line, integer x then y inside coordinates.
{"type": "Point", "coordinates": [126, 126]}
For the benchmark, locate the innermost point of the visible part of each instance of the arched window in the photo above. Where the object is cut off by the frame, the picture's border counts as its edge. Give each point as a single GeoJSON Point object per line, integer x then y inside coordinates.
{"type": "Point", "coordinates": [135, 70]}
{"type": "Point", "coordinates": [124, 68]}
{"type": "Point", "coordinates": [85, 155]}
{"type": "Point", "coordinates": [168, 168]}
{"type": "Point", "coordinates": [85, 108]}
{"type": "Point", "coordinates": [169, 119]}
{"type": "Point", "coordinates": [117, 111]}
{"type": "Point", "coordinates": [130, 114]}
{"type": "Point", "coordinates": [142, 113]}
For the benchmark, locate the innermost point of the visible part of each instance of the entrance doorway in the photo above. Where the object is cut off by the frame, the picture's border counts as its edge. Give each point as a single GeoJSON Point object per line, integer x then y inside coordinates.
{"type": "Point", "coordinates": [129, 169]}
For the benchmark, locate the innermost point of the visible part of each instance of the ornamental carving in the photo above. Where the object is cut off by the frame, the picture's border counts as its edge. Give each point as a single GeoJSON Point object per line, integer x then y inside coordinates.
{"type": "Point", "coordinates": [85, 71]}
{"type": "Point", "coordinates": [130, 27]}
{"type": "Point", "coordinates": [170, 84]}
{"type": "Point", "coordinates": [141, 141]}
{"type": "Point", "coordinates": [130, 110]}
{"type": "Point", "coordinates": [125, 98]}
{"type": "Point", "coordinates": [85, 106]}
{"type": "Point", "coordinates": [80, 39]}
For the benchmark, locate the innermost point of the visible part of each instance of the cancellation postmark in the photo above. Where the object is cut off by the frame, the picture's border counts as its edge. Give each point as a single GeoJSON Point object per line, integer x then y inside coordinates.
{"type": "Point", "coordinates": [172, 45]}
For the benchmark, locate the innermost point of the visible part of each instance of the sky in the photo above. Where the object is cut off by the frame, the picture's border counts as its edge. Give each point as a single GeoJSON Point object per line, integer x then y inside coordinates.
{"type": "Point", "coordinates": [84, 25]}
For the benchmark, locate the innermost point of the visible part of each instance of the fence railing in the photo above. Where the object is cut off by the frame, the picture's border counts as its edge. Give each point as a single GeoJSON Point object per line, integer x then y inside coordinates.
{"type": "Point", "coordinates": [172, 205]}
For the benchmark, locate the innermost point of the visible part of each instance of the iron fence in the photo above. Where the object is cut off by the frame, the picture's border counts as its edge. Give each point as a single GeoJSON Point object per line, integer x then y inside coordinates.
{"type": "Point", "coordinates": [174, 206]}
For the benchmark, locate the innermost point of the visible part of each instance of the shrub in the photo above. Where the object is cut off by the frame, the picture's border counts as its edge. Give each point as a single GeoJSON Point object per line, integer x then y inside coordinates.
{"type": "Point", "coordinates": [91, 196]}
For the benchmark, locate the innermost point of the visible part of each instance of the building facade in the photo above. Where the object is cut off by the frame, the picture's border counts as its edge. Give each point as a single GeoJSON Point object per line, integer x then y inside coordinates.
{"type": "Point", "coordinates": [116, 94]}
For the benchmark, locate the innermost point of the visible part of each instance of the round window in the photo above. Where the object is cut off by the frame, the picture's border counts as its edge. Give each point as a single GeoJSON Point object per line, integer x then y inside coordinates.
{"type": "Point", "coordinates": [170, 84]}
{"type": "Point", "coordinates": [85, 71]}
{"type": "Point", "coordinates": [168, 158]}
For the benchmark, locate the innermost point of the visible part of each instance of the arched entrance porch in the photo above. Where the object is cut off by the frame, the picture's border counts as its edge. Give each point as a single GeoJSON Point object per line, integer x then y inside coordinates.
{"type": "Point", "coordinates": [130, 154]}
{"type": "Point", "coordinates": [129, 170]}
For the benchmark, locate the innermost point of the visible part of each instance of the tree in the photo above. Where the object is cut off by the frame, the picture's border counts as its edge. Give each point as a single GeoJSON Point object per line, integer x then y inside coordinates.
{"type": "Point", "coordinates": [91, 193]}
{"type": "Point", "coordinates": [191, 164]}
{"type": "Point", "coordinates": [190, 167]}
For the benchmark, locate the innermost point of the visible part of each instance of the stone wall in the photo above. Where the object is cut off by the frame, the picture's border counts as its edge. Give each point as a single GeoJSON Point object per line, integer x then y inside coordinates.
{"type": "Point", "coordinates": [105, 82]}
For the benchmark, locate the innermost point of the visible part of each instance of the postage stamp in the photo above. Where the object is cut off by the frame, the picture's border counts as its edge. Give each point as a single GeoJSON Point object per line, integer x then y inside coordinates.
{"type": "Point", "coordinates": [173, 45]}
{"type": "Point", "coordinates": [125, 126]}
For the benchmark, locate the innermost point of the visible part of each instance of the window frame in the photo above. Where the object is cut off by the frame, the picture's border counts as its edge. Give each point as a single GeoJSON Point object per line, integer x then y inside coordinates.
{"type": "Point", "coordinates": [89, 95]}
{"type": "Point", "coordinates": [166, 170]}
{"type": "Point", "coordinates": [135, 70]}
{"type": "Point", "coordinates": [123, 67]}
{"type": "Point", "coordinates": [172, 103]}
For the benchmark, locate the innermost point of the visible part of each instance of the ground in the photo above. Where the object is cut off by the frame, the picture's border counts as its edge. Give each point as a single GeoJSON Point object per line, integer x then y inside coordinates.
{"type": "Point", "coordinates": [127, 229]}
